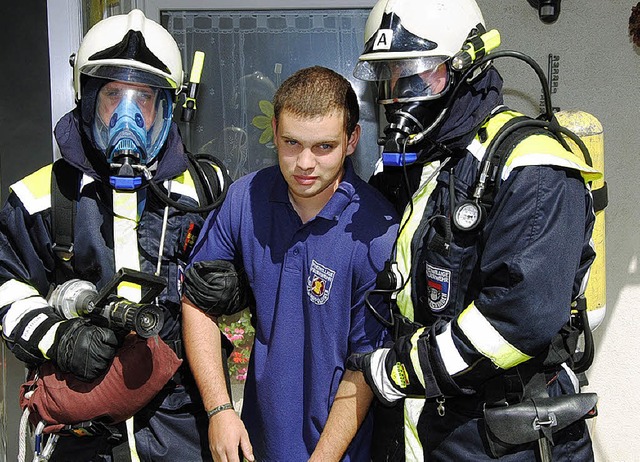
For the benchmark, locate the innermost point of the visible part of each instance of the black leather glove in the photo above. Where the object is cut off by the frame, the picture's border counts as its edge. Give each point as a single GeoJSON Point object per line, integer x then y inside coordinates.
{"type": "Point", "coordinates": [218, 288]}
{"type": "Point", "coordinates": [83, 349]}
{"type": "Point", "coordinates": [360, 362]}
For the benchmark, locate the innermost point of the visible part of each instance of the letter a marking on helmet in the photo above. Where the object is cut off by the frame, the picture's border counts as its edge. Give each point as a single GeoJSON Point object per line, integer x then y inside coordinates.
{"type": "Point", "coordinates": [383, 39]}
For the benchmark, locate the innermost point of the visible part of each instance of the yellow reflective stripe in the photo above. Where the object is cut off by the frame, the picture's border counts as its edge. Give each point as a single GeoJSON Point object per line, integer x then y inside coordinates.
{"type": "Point", "coordinates": [450, 355]}
{"type": "Point", "coordinates": [415, 359]}
{"type": "Point", "coordinates": [35, 190]}
{"type": "Point", "coordinates": [543, 150]}
{"type": "Point", "coordinates": [125, 240]}
{"type": "Point", "coordinates": [410, 221]}
{"type": "Point", "coordinates": [495, 123]}
{"type": "Point", "coordinates": [183, 185]}
{"type": "Point", "coordinates": [488, 341]}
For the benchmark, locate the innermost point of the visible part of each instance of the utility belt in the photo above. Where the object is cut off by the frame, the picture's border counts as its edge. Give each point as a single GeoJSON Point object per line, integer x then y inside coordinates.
{"type": "Point", "coordinates": [517, 408]}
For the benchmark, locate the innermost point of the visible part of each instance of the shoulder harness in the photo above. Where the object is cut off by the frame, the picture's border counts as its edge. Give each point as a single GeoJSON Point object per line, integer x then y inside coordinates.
{"type": "Point", "coordinates": [210, 178]}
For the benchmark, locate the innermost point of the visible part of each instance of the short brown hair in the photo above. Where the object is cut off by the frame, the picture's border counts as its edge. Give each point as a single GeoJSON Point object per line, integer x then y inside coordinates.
{"type": "Point", "coordinates": [317, 91]}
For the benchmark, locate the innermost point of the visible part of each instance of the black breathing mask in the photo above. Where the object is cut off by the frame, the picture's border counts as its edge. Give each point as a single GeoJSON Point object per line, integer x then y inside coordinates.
{"type": "Point", "coordinates": [406, 120]}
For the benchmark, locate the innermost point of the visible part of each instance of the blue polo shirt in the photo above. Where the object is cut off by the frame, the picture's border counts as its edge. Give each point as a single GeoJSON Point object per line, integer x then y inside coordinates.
{"type": "Point", "coordinates": [309, 281]}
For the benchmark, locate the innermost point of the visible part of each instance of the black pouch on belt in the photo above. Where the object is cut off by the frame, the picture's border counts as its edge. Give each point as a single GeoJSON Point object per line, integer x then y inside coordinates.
{"type": "Point", "coordinates": [534, 418]}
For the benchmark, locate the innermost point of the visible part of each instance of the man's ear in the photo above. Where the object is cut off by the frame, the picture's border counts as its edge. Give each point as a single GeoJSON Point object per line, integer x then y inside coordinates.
{"type": "Point", "coordinates": [274, 126]}
{"type": "Point", "coordinates": [353, 140]}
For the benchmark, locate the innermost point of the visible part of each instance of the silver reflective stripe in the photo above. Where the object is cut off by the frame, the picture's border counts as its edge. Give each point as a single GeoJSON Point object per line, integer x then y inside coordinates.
{"type": "Point", "coordinates": [14, 290]}
{"type": "Point", "coordinates": [17, 311]}
{"type": "Point", "coordinates": [186, 188]}
{"type": "Point", "coordinates": [412, 445]}
{"type": "Point", "coordinates": [453, 362]}
{"type": "Point", "coordinates": [125, 238]}
{"type": "Point", "coordinates": [47, 340]}
{"type": "Point", "coordinates": [380, 377]}
{"type": "Point", "coordinates": [488, 341]}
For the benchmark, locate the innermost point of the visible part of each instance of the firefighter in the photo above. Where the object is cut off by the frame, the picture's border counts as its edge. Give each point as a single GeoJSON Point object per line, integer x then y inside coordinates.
{"type": "Point", "coordinates": [136, 207]}
{"type": "Point", "coordinates": [492, 256]}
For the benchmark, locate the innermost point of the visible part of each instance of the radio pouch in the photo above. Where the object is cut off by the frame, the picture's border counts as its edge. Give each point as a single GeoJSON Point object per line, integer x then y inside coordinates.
{"type": "Point", "coordinates": [535, 418]}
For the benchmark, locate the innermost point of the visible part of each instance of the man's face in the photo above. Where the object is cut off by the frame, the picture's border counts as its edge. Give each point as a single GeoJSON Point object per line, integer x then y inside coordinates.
{"type": "Point", "coordinates": [311, 153]}
{"type": "Point", "coordinates": [112, 93]}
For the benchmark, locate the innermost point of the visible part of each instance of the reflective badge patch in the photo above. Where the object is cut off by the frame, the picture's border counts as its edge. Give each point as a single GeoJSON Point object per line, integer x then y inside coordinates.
{"type": "Point", "coordinates": [438, 281]}
{"type": "Point", "coordinates": [319, 283]}
{"type": "Point", "coordinates": [399, 375]}
{"type": "Point", "coordinates": [32, 326]}
{"type": "Point", "coordinates": [383, 39]}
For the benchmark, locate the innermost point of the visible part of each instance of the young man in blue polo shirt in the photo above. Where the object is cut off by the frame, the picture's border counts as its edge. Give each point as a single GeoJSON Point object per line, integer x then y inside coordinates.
{"type": "Point", "coordinates": [312, 237]}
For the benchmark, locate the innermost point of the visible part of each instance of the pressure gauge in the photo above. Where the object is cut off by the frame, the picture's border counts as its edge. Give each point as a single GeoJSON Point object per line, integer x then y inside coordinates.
{"type": "Point", "coordinates": [467, 216]}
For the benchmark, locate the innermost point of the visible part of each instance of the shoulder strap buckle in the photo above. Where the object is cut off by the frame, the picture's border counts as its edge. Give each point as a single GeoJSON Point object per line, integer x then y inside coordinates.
{"type": "Point", "coordinates": [64, 252]}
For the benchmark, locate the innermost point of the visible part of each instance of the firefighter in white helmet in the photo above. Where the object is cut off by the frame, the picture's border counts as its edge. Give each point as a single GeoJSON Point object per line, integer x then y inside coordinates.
{"type": "Point", "coordinates": [122, 156]}
{"type": "Point", "coordinates": [492, 257]}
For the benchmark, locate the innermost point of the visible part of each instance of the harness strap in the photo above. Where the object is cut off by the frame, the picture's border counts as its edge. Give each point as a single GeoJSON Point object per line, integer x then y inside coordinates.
{"type": "Point", "coordinates": [600, 198]}
{"type": "Point", "coordinates": [500, 147]}
{"type": "Point", "coordinates": [64, 193]}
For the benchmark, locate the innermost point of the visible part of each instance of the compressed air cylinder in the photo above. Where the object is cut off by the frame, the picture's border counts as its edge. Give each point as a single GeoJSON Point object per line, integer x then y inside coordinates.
{"type": "Point", "coordinates": [589, 129]}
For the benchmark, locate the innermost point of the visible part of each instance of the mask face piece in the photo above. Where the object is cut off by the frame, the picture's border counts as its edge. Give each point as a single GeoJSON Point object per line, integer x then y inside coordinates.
{"type": "Point", "coordinates": [131, 122]}
{"type": "Point", "coordinates": [405, 120]}
{"type": "Point", "coordinates": [412, 92]}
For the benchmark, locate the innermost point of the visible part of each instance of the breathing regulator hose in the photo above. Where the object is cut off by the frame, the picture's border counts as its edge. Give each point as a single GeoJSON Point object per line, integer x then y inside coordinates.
{"type": "Point", "coordinates": [466, 60]}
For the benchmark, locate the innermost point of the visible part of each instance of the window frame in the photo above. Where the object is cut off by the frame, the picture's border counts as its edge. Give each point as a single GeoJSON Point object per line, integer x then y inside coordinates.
{"type": "Point", "coordinates": [153, 8]}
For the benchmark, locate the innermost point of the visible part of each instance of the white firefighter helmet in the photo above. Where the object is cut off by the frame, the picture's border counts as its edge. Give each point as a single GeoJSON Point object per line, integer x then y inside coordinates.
{"type": "Point", "coordinates": [129, 47]}
{"type": "Point", "coordinates": [415, 38]}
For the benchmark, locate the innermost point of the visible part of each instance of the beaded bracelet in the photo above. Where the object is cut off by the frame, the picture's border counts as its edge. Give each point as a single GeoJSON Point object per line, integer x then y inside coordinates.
{"type": "Point", "coordinates": [222, 407]}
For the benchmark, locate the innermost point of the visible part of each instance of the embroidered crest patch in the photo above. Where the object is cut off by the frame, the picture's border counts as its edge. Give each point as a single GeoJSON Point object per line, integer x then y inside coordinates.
{"type": "Point", "coordinates": [319, 283]}
{"type": "Point", "coordinates": [438, 281]}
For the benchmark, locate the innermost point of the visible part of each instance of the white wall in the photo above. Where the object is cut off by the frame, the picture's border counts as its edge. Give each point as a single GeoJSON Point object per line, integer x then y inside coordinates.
{"type": "Point", "coordinates": [599, 74]}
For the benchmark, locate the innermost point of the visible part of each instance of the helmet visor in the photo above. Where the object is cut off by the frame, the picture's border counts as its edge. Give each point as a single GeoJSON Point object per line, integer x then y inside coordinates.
{"type": "Point", "coordinates": [126, 73]}
{"type": "Point", "coordinates": [132, 120]}
{"type": "Point", "coordinates": [405, 80]}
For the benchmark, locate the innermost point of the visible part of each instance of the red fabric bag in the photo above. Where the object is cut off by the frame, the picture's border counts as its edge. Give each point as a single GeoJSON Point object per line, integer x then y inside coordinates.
{"type": "Point", "coordinates": [138, 372]}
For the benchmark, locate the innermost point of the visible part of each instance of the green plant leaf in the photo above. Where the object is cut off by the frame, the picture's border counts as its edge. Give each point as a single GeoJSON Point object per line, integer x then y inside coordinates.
{"type": "Point", "coordinates": [261, 122]}
{"type": "Point", "coordinates": [266, 136]}
{"type": "Point", "coordinates": [266, 107]}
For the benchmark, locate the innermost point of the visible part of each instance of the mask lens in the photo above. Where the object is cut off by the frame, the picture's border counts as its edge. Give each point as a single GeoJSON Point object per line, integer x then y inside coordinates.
{"type": "Point", "coordinates": [131, 120]}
